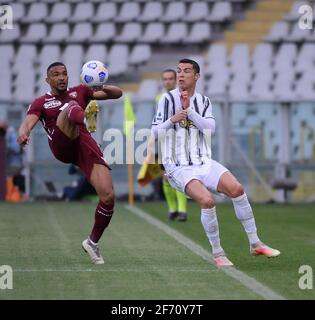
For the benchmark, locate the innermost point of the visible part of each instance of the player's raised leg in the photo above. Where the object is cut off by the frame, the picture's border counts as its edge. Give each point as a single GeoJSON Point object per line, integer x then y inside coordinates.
{"type": "Point", "coordinates": [69, 118]}
{"type": "Point", "coordinates": [73, 115]}
{"type": "Point", "coordinates": [198, 192]}
{"type": "Point", "coordinates": [102, 182]}
{"type": "Point", "coordinates": [230, 186]}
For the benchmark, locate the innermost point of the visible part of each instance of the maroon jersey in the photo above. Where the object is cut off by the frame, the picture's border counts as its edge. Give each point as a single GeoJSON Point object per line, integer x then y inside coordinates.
{"type": "Point", "coordinates": [48, 107]}
{"type": "Point", "coordinates": [82, 151]}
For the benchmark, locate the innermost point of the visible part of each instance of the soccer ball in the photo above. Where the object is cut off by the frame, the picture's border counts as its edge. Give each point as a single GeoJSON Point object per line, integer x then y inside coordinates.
{"type": "Point", "coordinates": [94, 73]}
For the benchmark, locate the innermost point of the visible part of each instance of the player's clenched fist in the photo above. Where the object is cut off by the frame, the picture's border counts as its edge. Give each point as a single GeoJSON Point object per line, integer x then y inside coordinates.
{"type": "Point", "coordinates": [179, 116]}
{"type": "Point", "coordinates": [184, 99]}
{"type": "Point", "coordinates": [23, 139]}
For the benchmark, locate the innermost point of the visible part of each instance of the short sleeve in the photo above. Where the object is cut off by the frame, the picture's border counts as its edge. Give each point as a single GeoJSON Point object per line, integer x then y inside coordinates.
{"type": "Point", "coordinates": [207, 111]}
{"type": "Point", "coordinates": [87, 92]}
{"type": "Point", "coordinates": [162, 110]}
{"type": "Point", "coordinates": [35, 108]}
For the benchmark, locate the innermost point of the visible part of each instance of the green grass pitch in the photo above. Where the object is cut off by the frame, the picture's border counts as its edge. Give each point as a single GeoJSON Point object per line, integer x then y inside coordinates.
{"type": "Point", "coordinates": [42, 243]}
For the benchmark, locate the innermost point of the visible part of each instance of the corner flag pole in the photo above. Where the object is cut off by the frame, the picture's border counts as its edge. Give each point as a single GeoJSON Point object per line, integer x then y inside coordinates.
{"type": "Point", "coordinates": [129, 123]}
{"type": "Point", "coordinates": [131, 198]}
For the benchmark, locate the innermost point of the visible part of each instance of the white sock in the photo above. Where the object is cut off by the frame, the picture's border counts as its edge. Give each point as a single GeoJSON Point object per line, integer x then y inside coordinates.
{"type": "Point", "coordinates": [244, 213]}
{"type": "Point", "coordinates": [210, 224]}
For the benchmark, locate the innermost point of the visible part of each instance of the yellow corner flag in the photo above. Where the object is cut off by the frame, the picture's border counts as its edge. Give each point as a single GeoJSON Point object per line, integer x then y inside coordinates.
{"type": "Point", "coordinates": [129, 116]}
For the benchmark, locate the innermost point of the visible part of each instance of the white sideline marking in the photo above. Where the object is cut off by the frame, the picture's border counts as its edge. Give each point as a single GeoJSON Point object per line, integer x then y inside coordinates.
{"type": "Point", "coordinates": [109, 270]}
{"type": "Point", "coordinates": [249, 282]}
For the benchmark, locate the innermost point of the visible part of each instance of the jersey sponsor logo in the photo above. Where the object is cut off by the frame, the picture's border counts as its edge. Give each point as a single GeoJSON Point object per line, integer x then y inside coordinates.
{"type": "Point", "coordinates": [186, 124]}
{"type": "Point", "coordinates": [159, 116]}
{"type": "Point", "coordinates": [73, 94]}
{"type": "Point", "coordinates": [52, 104]}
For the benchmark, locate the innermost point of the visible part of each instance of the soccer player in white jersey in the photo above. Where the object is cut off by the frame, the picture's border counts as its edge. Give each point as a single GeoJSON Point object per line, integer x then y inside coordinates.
{"type": "Point", "coordinates": [183, 125]}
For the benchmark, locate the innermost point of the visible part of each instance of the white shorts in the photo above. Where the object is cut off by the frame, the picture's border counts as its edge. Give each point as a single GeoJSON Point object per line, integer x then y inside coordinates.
{"type": "Point", "coordinates": [208, 174]}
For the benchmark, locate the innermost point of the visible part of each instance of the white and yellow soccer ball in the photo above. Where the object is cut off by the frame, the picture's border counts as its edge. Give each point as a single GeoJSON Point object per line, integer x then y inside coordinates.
{"type": "Point", "coordinates": [94, 73]}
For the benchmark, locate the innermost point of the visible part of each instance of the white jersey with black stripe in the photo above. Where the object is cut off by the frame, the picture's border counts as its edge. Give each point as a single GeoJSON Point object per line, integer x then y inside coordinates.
{"type": "Point", "coordinates": [183, 143]}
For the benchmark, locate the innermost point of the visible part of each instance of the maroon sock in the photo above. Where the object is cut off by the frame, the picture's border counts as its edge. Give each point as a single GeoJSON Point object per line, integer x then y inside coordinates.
{"type": "Point", "coordinates": [76, 114]}
{"type": "Point", "coordinates": [103, 215]}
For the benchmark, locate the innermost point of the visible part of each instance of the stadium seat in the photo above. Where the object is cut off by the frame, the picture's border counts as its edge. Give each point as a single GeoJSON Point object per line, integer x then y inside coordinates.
{"type": "Point", "coordinates": [60, 12]}
{"type": "Point", "coordinates": [222, 11]}
{"type": "Point", "coordinates": [27, 1]}
{"type": "Point", "coordinates": [18, 11]}
{"type": "Point", "coordinates": [10, 35]}
{"type": "Point", "coordinates": [283, 88]}
{"type": "Point", "coordinates": [36, 13]}
{"type": "Point", "coordinates": [198, 11]}
{"type": "Point", "coordinates": [279, 31]}
{"type": "Point", "coordinates": [105, 12]}
{"type": "Point", "coordinates": [305, 89]}
{"type": "Point", "coordinates": [140, 54]}
{"type": "Point", "coordinates": [104, 32]}
{"type": "Point", "coordinates": [200, 32]}
{"type": "Point", "coordinates": [130, 11]}
{"type": "Point", "coordinates": [148, 90]}
{"type": "Point", "coordinates": [262, 57]}
{"type": "Point", "coordinates": [5, 83]}
{"type": "Point", "coordinates": [49, 1]}
{"type": "Point", "coordinates": [285, 57]}
{"type": "Point", "coordinates": [59, 32]}
{"type": "Point", "coordinates": [216, 88]}
{"type": "Point", "coordinates": [24, 90]}
{"type": "Point", "coordinates": [261, 87]}
{"type": "Point", "coordinates": [73, 57]}
{"type": "Point", "coordinates": [306, 58]}
{"type": "Point", "coordinates": [118, 59]}
{"type": "Point", "coordinates": [153, 33]}
{"type": "Point", "coordinates": [35, 33]}
{"type": "Point", "coordinates": [130, 33]}
{"type": "Point", "coordinates": [311, 36]}
{"type": "Point", "coordinates": [96, 52]}
{"type": "Point", "coordinates": [26, 54]}
{"type": "Point", "coordinates": [216, 58]}
{"type": "Point", "coordinates": [7, 55]}
{"type": "Point", "coordinates": [294, 14]}
{"type": "Point", "coordinates": [151, 12]}
{"type": "Point", "coordinates": [176, 33]}
{"type": "Point", "coordinates": [238, 90]}
{"type": "Point", "coordinates": [81, 33]}
{"type": "Point", "coordinates": [297, 34]}
{"type": "Point", "coordinates": [49, 54]}
{"type": "Point", "coordinates": [83, 12]}
{"type": "Point", "coordinates": [240, 60]}
{"type": "Point", "coordinates": [175, 11]}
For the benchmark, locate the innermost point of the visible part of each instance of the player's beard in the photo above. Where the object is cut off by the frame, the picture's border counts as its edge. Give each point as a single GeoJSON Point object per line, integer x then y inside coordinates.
{"type": "Point", "coordinates": [62, 88]}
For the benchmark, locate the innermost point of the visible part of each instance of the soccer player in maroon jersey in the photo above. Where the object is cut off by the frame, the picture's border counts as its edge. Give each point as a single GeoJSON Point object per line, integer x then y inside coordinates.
{"type": "Point", "coordinates": [65, 113]}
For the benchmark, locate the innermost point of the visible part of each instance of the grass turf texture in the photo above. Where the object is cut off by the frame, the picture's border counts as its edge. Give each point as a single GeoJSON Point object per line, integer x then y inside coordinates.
{"type": "Point", "coordinates": [42, 242]}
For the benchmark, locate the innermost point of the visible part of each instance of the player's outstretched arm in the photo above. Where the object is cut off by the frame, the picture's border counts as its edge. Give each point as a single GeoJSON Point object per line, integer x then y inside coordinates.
{"type": "Point", "coordinates": [107, 92]}
{"type": "Point", "coordinates": [26, 127]}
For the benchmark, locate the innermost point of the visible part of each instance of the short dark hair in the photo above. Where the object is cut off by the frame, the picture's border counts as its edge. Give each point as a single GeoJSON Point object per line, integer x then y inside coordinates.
{"type": "Point", "coordinates": [195, 65]}
{"type": "Point", "coordinates": [170, 70]}
{"type": "Point", "coordinates": [55, 64]}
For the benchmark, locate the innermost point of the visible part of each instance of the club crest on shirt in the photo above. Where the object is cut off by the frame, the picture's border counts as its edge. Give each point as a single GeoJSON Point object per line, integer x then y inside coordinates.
{"type": "Point", "coordinates": [73, 94]}
{"type": "Point", "coordinates": [186, 124]}
{"type": "Point", "coordinates": [52, 104]}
